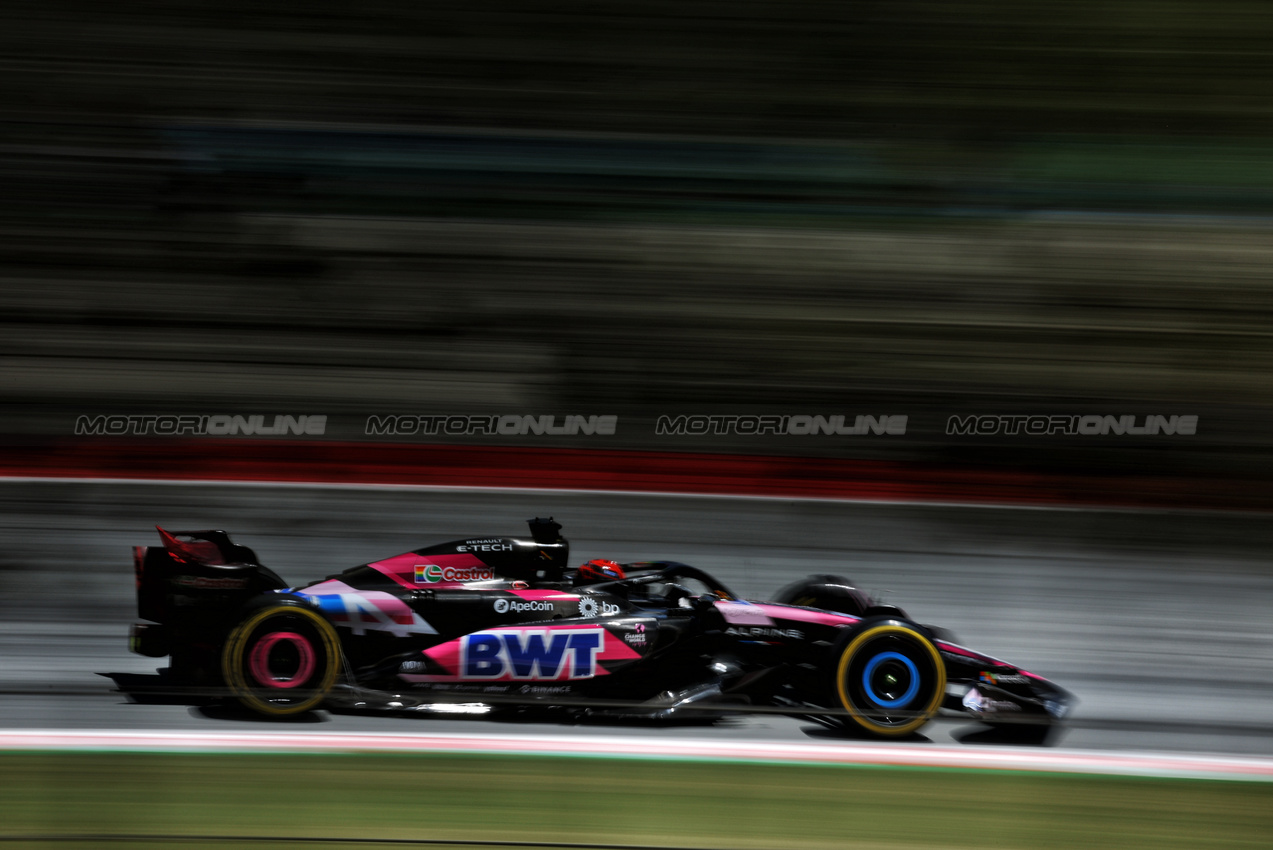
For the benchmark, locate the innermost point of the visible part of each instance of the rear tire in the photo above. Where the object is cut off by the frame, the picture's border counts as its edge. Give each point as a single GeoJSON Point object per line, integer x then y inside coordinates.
{"type": "Point", "coordinates": [890, 678]}
{"type": "Point", "coordinates": [281, 660]}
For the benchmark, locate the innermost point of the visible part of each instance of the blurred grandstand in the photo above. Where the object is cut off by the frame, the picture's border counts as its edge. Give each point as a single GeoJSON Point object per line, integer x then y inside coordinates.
{"type": "Point", "coordinates": [795, 207]}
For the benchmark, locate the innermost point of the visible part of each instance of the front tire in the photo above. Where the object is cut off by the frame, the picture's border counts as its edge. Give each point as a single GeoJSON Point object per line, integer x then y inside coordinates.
{"type": "Point", "coordinates": [282, 660]}
{"type": "Point", "coordinates": [890, 679]}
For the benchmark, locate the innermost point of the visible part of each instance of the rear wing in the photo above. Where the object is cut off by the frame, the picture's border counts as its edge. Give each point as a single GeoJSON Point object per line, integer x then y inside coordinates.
{"type": "Point", "coordinates": [197, 575]}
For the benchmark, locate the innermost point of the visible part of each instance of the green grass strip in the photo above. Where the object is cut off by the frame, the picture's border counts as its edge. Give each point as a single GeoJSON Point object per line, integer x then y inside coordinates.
{"type": "Point", "coordinates": [609, 802]}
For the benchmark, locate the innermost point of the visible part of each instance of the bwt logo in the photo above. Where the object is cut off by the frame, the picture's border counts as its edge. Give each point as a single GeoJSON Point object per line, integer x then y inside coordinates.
{"type": "Point", "coordinates": [531, 654]}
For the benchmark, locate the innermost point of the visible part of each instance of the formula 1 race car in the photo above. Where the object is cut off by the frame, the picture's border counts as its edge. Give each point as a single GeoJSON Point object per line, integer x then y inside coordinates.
{"type": "Point", "coordinates": [502, 621]}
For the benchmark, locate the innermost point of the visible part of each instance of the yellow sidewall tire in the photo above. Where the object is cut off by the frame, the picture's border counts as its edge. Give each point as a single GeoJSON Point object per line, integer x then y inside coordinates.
{"type": "Point", "coordinates": [863, 720]}
{"type": "Point", "coordinates": [233, 662]}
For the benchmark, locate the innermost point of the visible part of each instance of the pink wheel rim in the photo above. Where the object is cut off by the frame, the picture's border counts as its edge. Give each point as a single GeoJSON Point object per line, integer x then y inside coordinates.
{"type": "Point", "coordinates": [259, 660]}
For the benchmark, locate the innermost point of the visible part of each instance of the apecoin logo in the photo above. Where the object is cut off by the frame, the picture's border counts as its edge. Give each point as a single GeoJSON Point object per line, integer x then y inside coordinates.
{"type": "Point", "coordinates": [503, 606]}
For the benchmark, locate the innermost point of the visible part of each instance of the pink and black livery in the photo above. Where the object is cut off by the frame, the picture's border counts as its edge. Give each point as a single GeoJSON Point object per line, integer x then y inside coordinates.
{"type": "Point", "coordinates": [505, 622]}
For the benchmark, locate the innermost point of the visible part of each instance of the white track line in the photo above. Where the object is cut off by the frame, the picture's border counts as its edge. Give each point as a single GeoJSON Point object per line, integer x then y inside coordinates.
{"type": "Point", "coordinates": [614, 746]}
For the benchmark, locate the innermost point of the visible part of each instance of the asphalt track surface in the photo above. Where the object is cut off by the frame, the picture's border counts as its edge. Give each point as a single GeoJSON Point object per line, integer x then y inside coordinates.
{"type": "Point", "coordinates": [1160, 623]}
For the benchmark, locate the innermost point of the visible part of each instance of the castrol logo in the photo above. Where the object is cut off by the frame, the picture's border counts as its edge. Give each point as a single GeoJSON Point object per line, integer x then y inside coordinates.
{"type": "Point", "coordinates": [431, 573]}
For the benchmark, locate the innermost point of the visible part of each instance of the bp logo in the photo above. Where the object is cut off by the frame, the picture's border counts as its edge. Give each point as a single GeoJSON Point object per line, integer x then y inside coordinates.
{"type": "Point", "coordinates": [592, 607]}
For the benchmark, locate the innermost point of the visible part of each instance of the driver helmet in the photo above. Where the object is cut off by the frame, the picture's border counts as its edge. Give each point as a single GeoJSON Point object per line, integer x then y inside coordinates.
{"type": "Point", "coordinates": [600, 569]}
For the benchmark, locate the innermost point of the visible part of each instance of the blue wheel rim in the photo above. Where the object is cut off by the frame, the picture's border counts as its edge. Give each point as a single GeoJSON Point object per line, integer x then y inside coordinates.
{"type": "Point", "coordinates": [911, 691]}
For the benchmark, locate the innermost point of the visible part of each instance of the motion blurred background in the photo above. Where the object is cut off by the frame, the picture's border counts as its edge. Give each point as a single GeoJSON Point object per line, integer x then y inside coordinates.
{"type": "Point", "coordinates": [924, 208]}
{"type": "Point", "coordinates": [638, 209]}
